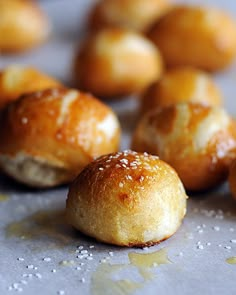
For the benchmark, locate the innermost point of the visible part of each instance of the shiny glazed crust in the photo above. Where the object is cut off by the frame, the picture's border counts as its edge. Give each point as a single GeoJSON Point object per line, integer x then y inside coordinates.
{"type": "Point", "coordinates": [22, 25]}
{"type": "Point", "coordinates": [196, 36]}
{"type": "Point", "coordinates": [127, 199]}
{"type": "Point", "coordinates": [197, 140]}
{"type": "Point", "coordinates": [16, 81]}
{"type": "Point", "coordinates": [183, 84]}
{"type": "Point", "coordinates": [131, 14]}
{"type": "Point", "coordinates": [112, 63]}
{"type": "Point", "coordinates": [58, 128]}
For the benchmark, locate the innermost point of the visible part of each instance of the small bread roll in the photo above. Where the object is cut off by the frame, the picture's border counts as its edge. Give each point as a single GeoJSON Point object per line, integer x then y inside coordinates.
{"type": "Point", "coordinates": [196, 36]}
{"type": "Point", "coordinates": [48, 137]}
{"type": "Point", "coordinates": [117, 62]}
{"type": "Point", "coordinates": [197, 141]}
{"type": "Point", "coordinates": [23, 25]}
{"type": "Point", "coordinates": [232, 179]}
{"type": "Point", "coordinates": [179, 85]}
{"type": "Point", "coordinates": [17, 80]}
{"type": "Point", "coordinates": [127, 199]}
{"type": "Point", "coordinates": [131, 14]}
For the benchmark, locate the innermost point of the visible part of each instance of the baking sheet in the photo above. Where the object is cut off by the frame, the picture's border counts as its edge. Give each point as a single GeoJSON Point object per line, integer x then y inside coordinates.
{"type": "Point", "coordinates": [39, 254]}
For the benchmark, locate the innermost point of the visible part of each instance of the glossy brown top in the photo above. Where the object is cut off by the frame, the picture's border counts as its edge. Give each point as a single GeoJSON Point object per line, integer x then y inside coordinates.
{"type": "Point", "coordinates": [65, 127]}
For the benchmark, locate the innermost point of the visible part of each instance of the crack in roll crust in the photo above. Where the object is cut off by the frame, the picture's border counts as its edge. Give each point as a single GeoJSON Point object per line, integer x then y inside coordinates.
{"type": "Point", "coordinates": [18, 80]}
{"type": "Point", "coordinates": [55, 128]}
{"type": "Point", "coordinates": [23, 25]}
{"type": "Point", "coordinates": [131, 14]}
{"type": "Point", "coordinates": [196, 36]}
{"type": "Point", "coordinates": [183, 84]}
{"type": "Point", "coordinates": [198, 141]}
{"type": "Point", "coordinates": [127, 199]}
{"type": "Point", "coordinates": [111, 63]}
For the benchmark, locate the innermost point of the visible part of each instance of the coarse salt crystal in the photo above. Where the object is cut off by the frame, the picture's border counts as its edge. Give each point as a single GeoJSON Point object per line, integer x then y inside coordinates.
{"type": "Point", "coordinates": [200, 247]}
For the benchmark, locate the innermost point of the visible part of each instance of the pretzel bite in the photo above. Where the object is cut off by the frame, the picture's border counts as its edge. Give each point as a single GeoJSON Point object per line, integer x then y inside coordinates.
{"type": "Point", "coordinates": [127, 199]}
{"type": "Point", "coordinates": [17, 80]}
{"type": "Point", "coordinates": [196, 36]}
{"type": "Point", "coordinates": [232, 179]}
{"type": "Point", "coordinates": [116, 62]}
{"type": "Point", "coordinates": [23, 25]}
{"type": "Point", "coordinates": [48, 137]}
{"type": "Point", "coordinates": [197, 141]}
{"type": "Point", "coordinates": [131, 14]}
{"type": "Point", "coordinates": [179, 85]}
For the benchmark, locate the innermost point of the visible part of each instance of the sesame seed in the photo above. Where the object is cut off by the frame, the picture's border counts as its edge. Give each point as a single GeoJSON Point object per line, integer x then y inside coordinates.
{"type": "Point", "coordinates": [81, 247]}
{"type": "Point", "coordinates": [82, 280]}
{"type": "Point", "coordinates": [231, 229]}
{"type": "Point", "coordinates": [60, 292]}
{"type": "Point", "coordinates": [91, 247]}
{"type": "Point", "coordinates": [24, 282]}
{"type": "Point", "coordinates": [200, 247]}
{"type": "Point", "coordinates": [121, 184]}
{"type": "Point", "coordinates": [233, 241]}
{"type": "Point", "coordinates": [53, 270]}
{"type": "Point", "coordinates": [38, 275]}
{"type": "Point", "coordinates": [30, 266]}
{"type": "Point", "coordinates": [78, 268]}
{"type": "Point", "coordinates": [216, 228]}
{"type": "Point", "coordinates": [111, 253]}
{"type": "Point", "coordinates": [208, 244]}
{"type": "Point", "coordinates": [227, 247]}
{"type": "Point", "coordinates": [20, 259]}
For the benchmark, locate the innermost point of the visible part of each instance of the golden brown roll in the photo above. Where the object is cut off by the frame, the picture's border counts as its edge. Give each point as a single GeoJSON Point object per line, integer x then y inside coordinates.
{"type": "Point", "coordinates": [23, 25]}
{"type": "Point", "coordinates": [196, 36]}
{"type": "Point", "coordinates": [197, 141]}
{"type": "Point", "coordinates": [116, 62]}
{"type": "Point", "coordinates": [18, 80]}
{"type": "Point", "coordinates": [127, 199]}
{"type": "Point", "coordinates": [179, 85]}
{"type": "Point", "coordinates": [232, 179]}
{"type": "Point", "coordinates": [48, 137]}
{"type": "Point", "coordinates": [131, 14]}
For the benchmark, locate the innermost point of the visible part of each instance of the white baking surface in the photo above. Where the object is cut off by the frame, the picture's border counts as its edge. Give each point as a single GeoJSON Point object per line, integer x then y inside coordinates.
{"type": "Point", "coordinates": [198, 251]}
